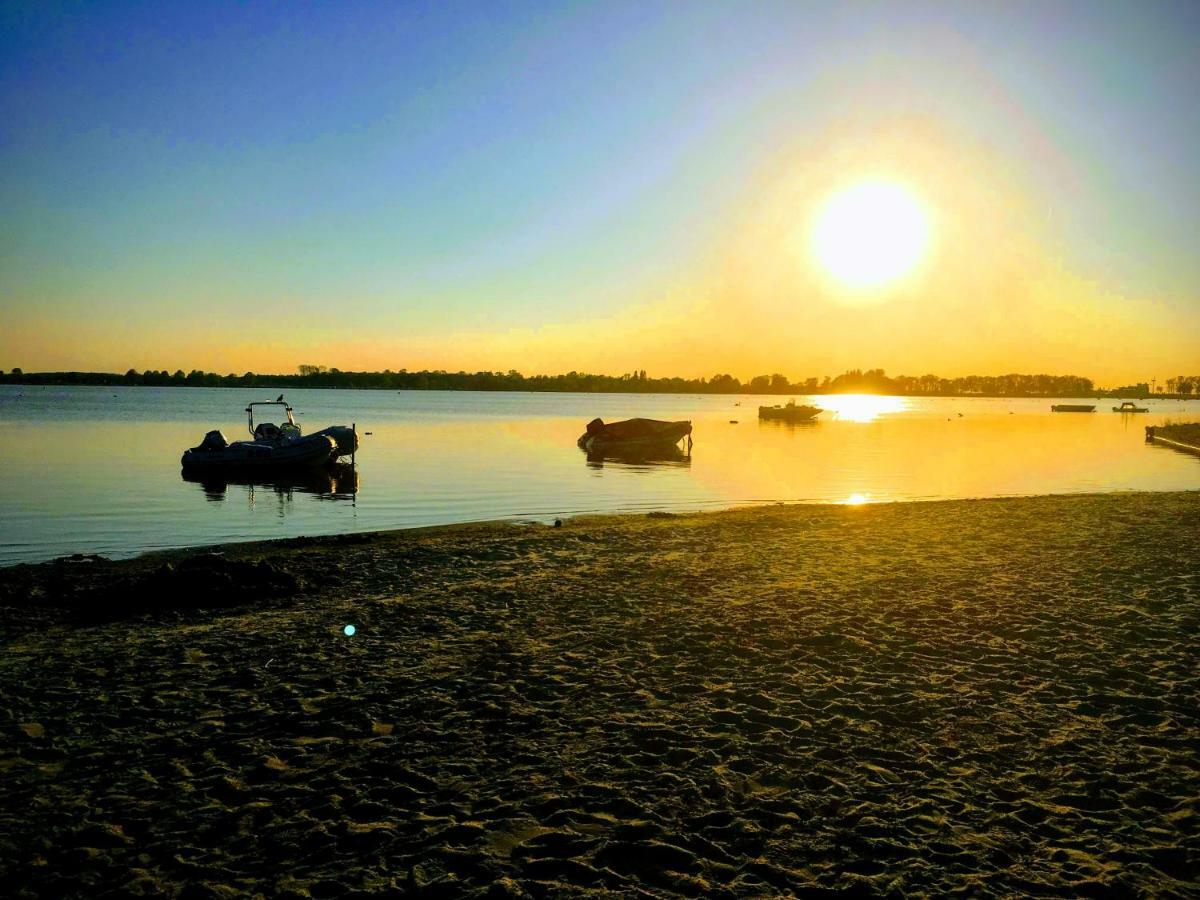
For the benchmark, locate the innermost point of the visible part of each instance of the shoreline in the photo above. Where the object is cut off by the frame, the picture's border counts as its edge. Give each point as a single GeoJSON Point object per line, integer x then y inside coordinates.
{"type": "Point", "coordinates": [169, 554]}
{"type": "Point", "coordinates": [1182, 437]}
{"type": "Point", "coordinates": [989, 695]}
{"type": "Point", "coordinates": [283, 383]}
{"type": "Point", "coordinates": [1179, 446]}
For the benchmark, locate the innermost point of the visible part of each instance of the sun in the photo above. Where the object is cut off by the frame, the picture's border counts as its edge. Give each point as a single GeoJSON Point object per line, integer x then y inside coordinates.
{"type": "Point", "coordinates": [870, 234]}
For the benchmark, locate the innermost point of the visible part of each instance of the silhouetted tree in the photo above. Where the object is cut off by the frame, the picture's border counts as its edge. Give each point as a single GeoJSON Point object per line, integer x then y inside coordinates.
{"type": "Point", "coordinates": [871, 380]}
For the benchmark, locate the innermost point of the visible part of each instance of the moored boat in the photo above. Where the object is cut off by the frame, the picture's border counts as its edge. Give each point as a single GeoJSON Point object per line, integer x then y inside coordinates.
{"type": "Point", "coordinates": [1072, 407]}
{"type": "Point", "coordinates": [633, 433]}
{"type": "Point", "coordinates": [215, 453]}
{"type": "Point", "coordinates": [789, 413]}
{"type": "Point", "coordinates": [273, 447]}
{"type": "Point", "coordinates": [1130, 407]}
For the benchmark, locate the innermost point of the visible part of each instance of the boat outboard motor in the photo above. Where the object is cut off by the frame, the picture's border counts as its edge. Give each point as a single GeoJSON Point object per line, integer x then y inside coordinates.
{"type": "Point", "coordinates": [214, 440]}
{"type": "Point", "coordinates": [345, 436]}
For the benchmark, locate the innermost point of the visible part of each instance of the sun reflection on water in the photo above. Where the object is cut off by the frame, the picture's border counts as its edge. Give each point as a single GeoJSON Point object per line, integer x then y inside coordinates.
{"type": "Point", "coordinates": [857, 499]}
{"type": "Point", "coordinates": [862, 407]}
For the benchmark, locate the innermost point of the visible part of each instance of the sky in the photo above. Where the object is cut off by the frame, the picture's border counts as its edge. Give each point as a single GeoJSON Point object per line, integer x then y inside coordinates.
{"type": "Point", "coordinates": [598, 187]}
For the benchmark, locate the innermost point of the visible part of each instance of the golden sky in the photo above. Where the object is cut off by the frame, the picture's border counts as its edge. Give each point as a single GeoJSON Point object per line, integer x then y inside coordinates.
{"type": "Point", "coordinates": [606, 189]}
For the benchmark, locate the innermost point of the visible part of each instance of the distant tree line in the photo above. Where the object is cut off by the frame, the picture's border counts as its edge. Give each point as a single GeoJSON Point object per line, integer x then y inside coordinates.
{"type": "Point", "coordinates": [1185, 385]}
{"type": "Point", "coordinates": [1012, 385]}
{"type": "Point", "coordinates": [852, 381]}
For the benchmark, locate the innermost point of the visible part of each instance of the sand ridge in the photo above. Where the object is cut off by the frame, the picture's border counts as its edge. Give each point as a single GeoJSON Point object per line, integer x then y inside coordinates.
{"type": "Point", "coordinates": [992, 697]}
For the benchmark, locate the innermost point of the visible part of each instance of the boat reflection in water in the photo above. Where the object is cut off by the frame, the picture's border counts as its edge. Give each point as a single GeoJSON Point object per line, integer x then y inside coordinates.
{"type": "Point", "coordinates": [789, 424]}
{"type": "Point", "coordinates": [339, 481]}
{"type": "Point", "coordinates": [640, 457]}
{"type": "Point", "coordinates": [637, 443]}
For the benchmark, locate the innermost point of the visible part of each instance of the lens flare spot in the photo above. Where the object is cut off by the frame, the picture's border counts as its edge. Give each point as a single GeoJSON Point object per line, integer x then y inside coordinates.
{"type": "Point", "coordinates": [349, 630]}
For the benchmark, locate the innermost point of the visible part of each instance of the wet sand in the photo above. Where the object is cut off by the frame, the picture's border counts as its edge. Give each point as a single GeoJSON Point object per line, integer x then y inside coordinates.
{"type": "Point", "coordinates": [994, 697]}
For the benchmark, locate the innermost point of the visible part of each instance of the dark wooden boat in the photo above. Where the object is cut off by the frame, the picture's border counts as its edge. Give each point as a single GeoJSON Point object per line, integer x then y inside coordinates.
{"type": "Point", "coordinates": [1072, 407]}
{"type": "Point", "coordinates": [633, 433]}
{"type": "Point", "coordinates": [1130, 407]}
{"type": "Point", "coordinates": [789, 413]}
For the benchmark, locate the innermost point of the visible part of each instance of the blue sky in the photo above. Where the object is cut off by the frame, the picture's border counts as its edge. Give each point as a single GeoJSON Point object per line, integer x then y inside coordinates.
{"type": "Point", "coordinates": [437, 169]}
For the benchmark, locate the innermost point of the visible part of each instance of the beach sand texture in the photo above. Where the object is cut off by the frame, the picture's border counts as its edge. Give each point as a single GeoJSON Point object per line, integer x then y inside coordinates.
{"type": "Point", "coordinates": [992, 697]}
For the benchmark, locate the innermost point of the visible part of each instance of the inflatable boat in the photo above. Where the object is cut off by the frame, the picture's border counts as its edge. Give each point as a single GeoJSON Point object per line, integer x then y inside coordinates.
{"type": "Point", "coordinates": [273, 447]}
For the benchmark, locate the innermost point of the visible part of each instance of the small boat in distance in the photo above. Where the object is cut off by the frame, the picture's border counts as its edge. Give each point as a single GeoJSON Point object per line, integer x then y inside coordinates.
{"type": "Point", "coordinates": [633, 433]}
{"type": "Point", "coordinates": [274, 447]}
{"type": "Point", "coordinates": [1130, 407]}
{"type": "Point", "coordinates": [1072, 407]}
{"type": "Point", "coordinates": [789, 413]}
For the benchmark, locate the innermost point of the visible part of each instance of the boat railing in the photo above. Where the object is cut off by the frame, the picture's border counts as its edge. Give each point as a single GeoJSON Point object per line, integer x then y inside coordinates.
{"type": "Point", "coordinates": [287, 408]}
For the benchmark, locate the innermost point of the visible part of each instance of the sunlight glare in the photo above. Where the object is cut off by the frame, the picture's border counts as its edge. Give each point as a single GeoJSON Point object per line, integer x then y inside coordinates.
{"type": "Point", "coordinates": [870, 233]}
{"type": "Point", "coordinates": [857, 499]}
{"type": "Point", "coordinates": [862, 407]}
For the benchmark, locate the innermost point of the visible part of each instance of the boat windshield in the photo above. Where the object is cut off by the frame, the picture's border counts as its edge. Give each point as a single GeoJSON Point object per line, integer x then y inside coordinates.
{"type": "Point", "coordinates": [287, 408]}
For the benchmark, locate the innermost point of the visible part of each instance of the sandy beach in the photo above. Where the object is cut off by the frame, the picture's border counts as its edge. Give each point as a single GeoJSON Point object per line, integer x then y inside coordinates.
{"type": "Point", "coordinates": [994, 698]}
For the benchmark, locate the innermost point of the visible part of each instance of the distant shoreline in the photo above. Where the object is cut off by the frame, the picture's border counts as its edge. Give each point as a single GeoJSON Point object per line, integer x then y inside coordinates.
{"type": "Point", "coordinates": [91, 379]}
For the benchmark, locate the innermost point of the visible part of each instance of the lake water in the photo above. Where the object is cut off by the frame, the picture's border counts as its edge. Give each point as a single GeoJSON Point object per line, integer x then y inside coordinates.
{"type": "Point", "coordinates": [96, 470]}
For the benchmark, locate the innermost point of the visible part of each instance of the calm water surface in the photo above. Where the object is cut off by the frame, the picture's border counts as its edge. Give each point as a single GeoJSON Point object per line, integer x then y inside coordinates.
{"type": "Point", "coordinates": [96, 470]}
